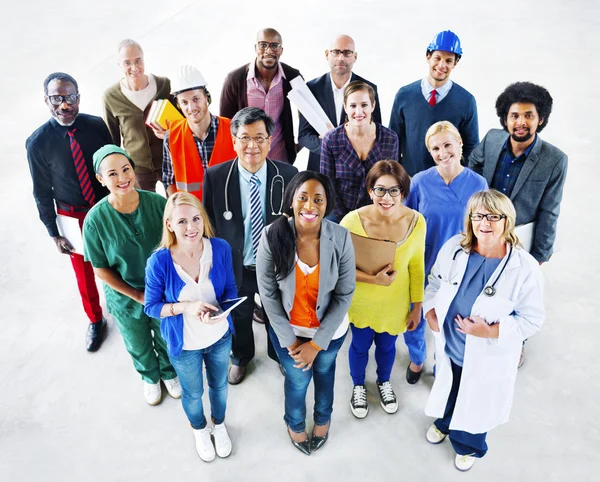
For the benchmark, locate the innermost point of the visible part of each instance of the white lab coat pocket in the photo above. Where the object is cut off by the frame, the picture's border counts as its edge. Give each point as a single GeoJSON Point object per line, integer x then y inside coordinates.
{"type": "Point", "coordinates": [492, 308]}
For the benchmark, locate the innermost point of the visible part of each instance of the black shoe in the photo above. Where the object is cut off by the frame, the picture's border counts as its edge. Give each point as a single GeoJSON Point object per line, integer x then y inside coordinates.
{"type": "Point", "coordinates": [258, 315]}
{"type": "Point", "coordinates": [304, 446]}
{"type": "Point", "coordinates": [317, 442]}
{"type": "Point", "coordinates": [95, 335]}
{"type": "Point", "coordinates": [412, 377]}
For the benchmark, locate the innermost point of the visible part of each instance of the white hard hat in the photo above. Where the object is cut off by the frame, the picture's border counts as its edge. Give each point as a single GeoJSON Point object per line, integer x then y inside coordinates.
{"type": "Point", "coordinates": [187, 78]}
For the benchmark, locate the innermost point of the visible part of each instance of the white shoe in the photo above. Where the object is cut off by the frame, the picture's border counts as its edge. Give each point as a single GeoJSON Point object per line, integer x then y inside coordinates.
{"type": "Point", "coordinates": [464, 462]}
{"type": "Point", "coordinates": [434, 436]}
{"type": "Point", "coordinates": [153, 393]}
{"type": "Point", "coordinates": [222, 440]}
{"type": "Point", "coordinates": [204, 445]}
{"type": "Point", "coordinates": [173, 387]}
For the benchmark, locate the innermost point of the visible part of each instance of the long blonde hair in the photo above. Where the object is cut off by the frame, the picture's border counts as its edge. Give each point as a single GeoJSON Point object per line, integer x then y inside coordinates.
{"type": "Point", "coordinates": [178, 199]}
{"type": "Point", "coordinates": [496, 203]}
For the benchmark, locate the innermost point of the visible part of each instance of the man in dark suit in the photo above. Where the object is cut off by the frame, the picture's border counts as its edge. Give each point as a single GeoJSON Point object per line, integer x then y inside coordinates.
{"type": "Point", "coordinates": [265, 83]}
{"type": "Point", "coordinates": [241, 197]}
{"type": "Point", "coordinates": [329, 92]}
{"type": "Point", "coordinates": [518, 163]}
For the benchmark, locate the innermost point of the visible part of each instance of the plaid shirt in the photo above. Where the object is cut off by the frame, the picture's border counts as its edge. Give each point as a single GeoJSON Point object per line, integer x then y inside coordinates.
{"type": "Point", "coordinates": [272, 103]}
{"type": "Point", "coordinates": [341, 163]}
{"type": "Point", "coordinates": [205, 149]}
{"type": "Point", "coordinates": [509, 168]}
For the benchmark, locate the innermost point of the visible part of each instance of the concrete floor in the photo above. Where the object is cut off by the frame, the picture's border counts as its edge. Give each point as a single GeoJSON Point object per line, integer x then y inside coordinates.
{"type": "Point", "coordinates": [69, 415]}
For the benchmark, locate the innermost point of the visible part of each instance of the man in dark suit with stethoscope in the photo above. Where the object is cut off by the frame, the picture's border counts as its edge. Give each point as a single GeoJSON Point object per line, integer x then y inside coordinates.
{"type": "Point", "coordinates": [241, 197]}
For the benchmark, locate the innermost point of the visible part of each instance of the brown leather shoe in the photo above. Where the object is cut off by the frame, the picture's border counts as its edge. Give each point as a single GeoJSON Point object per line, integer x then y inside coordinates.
{"type": "Point", "coordinates": [236, 374]}
{"type": "Point", "coordinates": [258, 315]}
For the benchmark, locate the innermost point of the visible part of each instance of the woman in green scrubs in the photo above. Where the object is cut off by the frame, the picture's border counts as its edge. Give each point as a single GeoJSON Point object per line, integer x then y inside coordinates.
{"type": "Point", "coordinates": [119, 233]}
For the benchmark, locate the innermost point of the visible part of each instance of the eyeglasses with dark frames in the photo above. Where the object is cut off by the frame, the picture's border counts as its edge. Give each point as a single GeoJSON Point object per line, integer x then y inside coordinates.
{"type": "Point", "coordinates": [381, 191]}
{"type": "Point", "coordinates": [59, 99]}
{"type": "Point", "coordinates": [275, 46]}
{"type": "Point", "coordinates": [338, 52]}
{"type": "Point", "coordinates": [492, 218]}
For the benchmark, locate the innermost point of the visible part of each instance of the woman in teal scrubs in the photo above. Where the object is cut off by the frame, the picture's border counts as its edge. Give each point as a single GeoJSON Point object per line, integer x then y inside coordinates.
{"type": "Point", "coordinates": [119, 233]}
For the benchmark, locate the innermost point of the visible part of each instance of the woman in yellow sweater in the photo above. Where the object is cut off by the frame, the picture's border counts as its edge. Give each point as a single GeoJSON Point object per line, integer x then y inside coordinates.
{"type": "Point", "coordinates": [381, 308]}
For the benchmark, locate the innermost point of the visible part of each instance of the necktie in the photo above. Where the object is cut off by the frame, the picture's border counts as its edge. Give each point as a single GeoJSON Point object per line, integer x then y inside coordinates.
{"type": "Point", "coordinates": [432, 98]}
{"type": "Point", "coordinates": [82, 173]}
{"type": "Point", "coordinates": [256, 220]}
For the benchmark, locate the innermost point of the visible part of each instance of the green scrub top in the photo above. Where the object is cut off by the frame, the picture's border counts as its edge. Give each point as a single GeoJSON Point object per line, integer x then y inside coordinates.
{"type": "Point", "coordinates": [124, 242]}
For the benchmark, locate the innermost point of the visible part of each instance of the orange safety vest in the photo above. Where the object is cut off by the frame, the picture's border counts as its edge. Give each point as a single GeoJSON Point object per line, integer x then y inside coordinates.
{"type": "Point", "coordinates": [304, 310]}
{"type": "Point", "coordinates": [187, 164]}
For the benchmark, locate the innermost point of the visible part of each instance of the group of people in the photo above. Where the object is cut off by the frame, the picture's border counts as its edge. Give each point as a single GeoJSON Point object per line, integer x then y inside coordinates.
{"type": "Point", "coordinates": [241, 221]}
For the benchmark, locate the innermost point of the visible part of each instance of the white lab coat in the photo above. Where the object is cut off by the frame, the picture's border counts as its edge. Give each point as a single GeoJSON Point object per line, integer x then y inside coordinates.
{"type": "Point", "coordinates": [490, 365]}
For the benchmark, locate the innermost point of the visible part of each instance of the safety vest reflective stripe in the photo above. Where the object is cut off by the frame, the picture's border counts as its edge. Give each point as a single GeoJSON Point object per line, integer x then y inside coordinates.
{"type": "Point", "coordinates": [191, 187]}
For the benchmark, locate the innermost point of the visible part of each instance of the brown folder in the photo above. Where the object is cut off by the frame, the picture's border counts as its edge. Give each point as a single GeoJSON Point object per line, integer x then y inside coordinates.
{"type": "Point", "coordinates": [372, 255]}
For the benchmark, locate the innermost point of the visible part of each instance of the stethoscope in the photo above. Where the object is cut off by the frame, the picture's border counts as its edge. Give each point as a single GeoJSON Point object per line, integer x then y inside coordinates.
{"type": "Point", "coordinates": [490, 290]}
{"type": "Point", "coordinates": [228, 215]}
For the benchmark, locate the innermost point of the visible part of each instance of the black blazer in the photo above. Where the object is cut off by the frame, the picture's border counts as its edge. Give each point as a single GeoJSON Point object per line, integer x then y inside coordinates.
{"type": "Point", "coordinates": [307, 135]}
{"type": "Point", "coordinates": [213, 199]}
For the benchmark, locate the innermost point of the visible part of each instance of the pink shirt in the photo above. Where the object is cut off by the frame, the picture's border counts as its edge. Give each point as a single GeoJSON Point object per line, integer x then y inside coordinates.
{"type": "Point", "coordinates": [272, 103]}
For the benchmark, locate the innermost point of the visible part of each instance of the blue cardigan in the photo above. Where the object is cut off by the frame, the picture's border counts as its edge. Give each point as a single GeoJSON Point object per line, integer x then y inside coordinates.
{"type": "Point", "coordinates": [163, 285]}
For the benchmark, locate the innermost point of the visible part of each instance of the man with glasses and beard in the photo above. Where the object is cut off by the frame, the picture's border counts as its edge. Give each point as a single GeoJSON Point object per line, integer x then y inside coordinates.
{"type": "Point", "coordinates": [60, 160]}
{"type": "Point", "coordinates": [265, 83]}
{"type": "Point", "coordinates": [329, 92]}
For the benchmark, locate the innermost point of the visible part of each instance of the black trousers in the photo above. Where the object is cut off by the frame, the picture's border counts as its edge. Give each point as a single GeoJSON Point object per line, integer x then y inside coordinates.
{"type": "Point", "coordinates": [242, 349]}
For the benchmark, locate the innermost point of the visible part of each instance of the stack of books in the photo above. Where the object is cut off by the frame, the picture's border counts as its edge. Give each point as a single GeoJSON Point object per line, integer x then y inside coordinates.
{"type": "Point", "coordinates": [160, 112]}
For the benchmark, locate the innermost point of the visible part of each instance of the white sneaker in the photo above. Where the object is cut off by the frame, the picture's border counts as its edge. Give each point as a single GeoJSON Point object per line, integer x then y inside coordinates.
{"type": "Point", "coordinates": [153, 393]}
{"type": "Point", "coordinates": [434, 436]}
{"type": "Point", "coordinates": [464, 462]}
{"type": "Point", "coordinates": [387, 397]}
{"type": "Point", "coordinates": [173, 387]}
{"type": "Point", "coordinates": [222, 440]}
{"type": "Point", "coordinates": [204, 445]}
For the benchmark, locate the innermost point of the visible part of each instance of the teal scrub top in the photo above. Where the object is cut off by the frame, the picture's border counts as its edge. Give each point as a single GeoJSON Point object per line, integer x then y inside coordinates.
{"type": "Point", "coordinates": [124, 242]}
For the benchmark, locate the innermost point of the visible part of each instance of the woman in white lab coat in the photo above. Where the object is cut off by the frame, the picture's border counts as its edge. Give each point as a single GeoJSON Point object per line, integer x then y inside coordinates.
{"type": "Point", "coordinates": [484, 297]}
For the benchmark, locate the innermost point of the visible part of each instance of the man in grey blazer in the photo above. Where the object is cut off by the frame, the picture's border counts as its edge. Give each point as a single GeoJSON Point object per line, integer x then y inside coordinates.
{"type": "Point", "coordinates": [329, 92]}
{"type": "Point", "coordinates": [517, 162]}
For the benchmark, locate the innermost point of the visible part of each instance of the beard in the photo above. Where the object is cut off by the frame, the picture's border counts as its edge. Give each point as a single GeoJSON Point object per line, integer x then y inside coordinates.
{"type": "Point", "coordinates": [523, 138]}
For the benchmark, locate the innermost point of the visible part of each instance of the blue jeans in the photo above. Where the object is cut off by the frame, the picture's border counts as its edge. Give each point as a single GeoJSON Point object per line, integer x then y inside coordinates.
{"type": "Point", "coordinates": [297, 380]}
{"type": "Point", "coordinates": [358, 355]}
{"type": "Point", "coordinates": [188, 366]}
{"type": "Point", "coordinates": [464, 443]}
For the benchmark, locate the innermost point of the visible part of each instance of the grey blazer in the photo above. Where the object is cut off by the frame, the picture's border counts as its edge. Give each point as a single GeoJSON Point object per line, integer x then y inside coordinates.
{"type": "Point", "coordinates": [538, 190]}
{"type": "Point", "coordinates": [337, 282]}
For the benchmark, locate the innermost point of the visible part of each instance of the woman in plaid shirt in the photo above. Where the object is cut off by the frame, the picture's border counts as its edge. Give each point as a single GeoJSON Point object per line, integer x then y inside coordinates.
{"type": "Point", "coordinates": [350, 150]}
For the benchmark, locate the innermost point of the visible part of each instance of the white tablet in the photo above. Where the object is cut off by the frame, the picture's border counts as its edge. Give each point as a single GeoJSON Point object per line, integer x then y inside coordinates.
{"type": "Point", "coordinates": [228, 306]}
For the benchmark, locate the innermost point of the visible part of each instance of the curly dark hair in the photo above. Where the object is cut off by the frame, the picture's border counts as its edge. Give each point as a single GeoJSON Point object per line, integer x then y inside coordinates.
{"type": "Point", "coordinates": [525, 93]}
{"type": "Point", "coordinates": [62, 77]}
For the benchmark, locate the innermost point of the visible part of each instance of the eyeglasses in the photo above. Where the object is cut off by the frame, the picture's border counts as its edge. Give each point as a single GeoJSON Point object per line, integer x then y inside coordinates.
{"type": "Point", "coordinates": [59, 99]}
{"type": "Point", "coordinates": [338, 52]}
{"type": "Point", "coordinates": [492, 218]}
{"type": "Point", "coordinates": [247, 139]}
{"type": "Point", "coordinates": [381, 191]}
{"type": "Point", "coordinates": [275, 47]}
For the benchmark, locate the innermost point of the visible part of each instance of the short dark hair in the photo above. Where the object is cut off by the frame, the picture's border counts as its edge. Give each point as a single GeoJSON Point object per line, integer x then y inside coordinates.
{"type": "Point", "coordinates": [60, 76]}
{"type": "Point", "coordinates": [250, 115]}
{"type": "Point", "coordinates": [392, 168]}
{"type": "Point", "coordinates": [524, 93]}
{"type": "Point", "coordinates": [281, 237]}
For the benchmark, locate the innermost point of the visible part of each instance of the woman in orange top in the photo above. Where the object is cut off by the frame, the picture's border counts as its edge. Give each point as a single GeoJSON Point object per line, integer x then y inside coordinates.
{"type": "Point", "coordinates": [306, 278]}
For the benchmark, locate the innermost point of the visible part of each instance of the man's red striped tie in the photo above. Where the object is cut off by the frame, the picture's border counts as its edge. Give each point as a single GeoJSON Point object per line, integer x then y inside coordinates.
{"type": "Point", "coordinates": [82, 173]}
